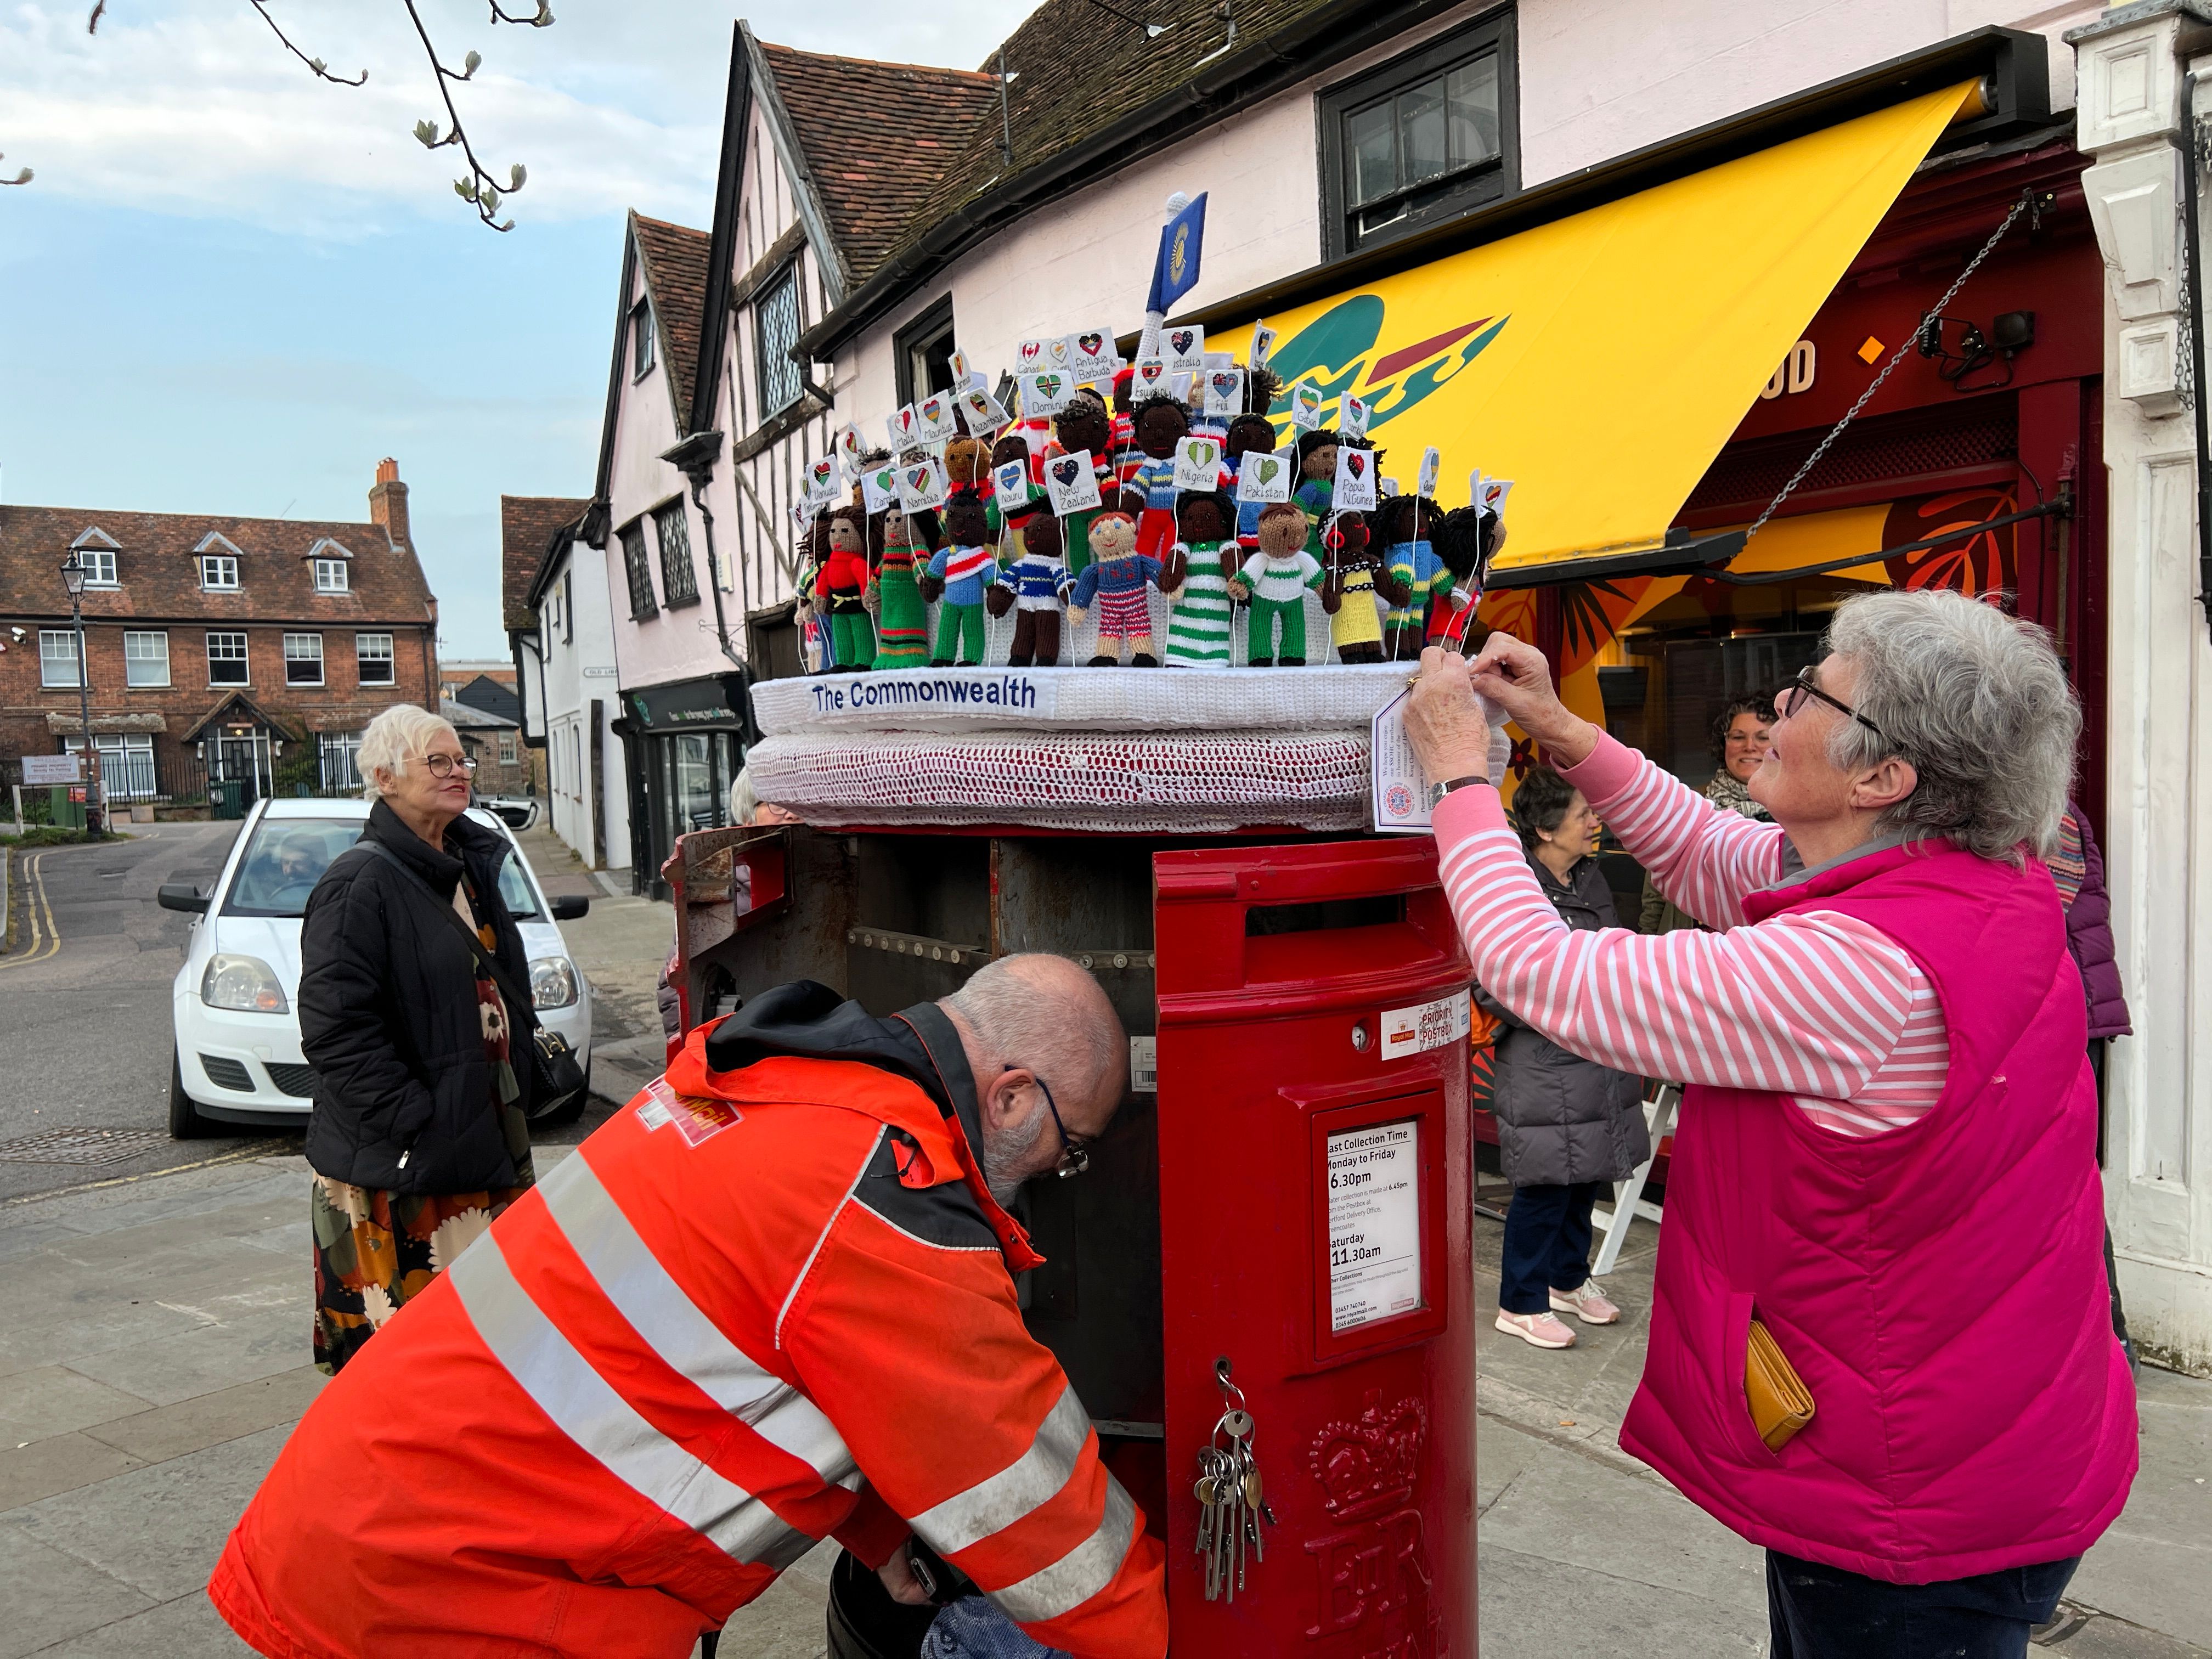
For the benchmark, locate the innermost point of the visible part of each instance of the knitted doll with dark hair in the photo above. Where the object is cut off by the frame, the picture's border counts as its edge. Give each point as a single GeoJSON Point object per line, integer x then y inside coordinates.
{"type": "Point", "coordinates": [1356, 577]}
{"type": "Point", "coordinates": [1007, 529]}
{"type": "Point", "coordinates": [1038, 584]}
{"type": "Point", "coordinates": [901, 618]}
{"type": "Point", "coordinates": [1404, 526]}
{"type": "Point", "coordinates": [1467, 538]}
{"type": "Point", "coordinates": [1316, 488]}
{"type": "Point", "coordinates": [1196, 575]}
{"type": "Point", "coordinates": [841, 588]}
{"type": "Point", "coordinates": [962, 569]}
{"type": "Point", "coordinates": [1161, 424]}
{"type": "Point", "coordinates": [1116, 580]}
{"type": "Point", "coordinates": [1274, 582]}
{"type": "Point", "coordinates": [1085, 425]}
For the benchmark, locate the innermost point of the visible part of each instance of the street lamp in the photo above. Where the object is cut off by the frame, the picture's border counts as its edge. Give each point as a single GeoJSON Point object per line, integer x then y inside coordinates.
{"type": "Point", "coordinates": [73, 575]}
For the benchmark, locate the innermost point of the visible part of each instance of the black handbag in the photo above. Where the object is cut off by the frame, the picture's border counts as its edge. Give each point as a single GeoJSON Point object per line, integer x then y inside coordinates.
{"type": "Point", "coordinates": [555, 1077]}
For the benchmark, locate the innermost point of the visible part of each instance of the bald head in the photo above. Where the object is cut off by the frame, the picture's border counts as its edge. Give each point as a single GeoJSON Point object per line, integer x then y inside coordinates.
{"type": "Point", "coordinates": [1031, 1023]}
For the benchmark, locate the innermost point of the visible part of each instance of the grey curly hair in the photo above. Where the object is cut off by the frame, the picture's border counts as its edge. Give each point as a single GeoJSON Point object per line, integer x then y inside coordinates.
{"type": "Point", "coordinates": [1977, 702]}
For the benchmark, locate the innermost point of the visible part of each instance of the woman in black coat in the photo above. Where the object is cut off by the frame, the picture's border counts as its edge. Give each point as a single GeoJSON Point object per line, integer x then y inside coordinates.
{"type": "Point", "coordinates": [1566, 1126]}
{"type": "Point", "coordinates": [419, 1134]}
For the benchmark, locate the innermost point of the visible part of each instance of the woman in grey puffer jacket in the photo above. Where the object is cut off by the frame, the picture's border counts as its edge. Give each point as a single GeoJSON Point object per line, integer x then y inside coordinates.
{"type": "Point", "coordinates": [1566, 1126]}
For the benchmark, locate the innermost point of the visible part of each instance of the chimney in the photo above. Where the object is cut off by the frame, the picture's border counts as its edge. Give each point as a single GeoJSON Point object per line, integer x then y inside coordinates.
{"type": "Point", "coordinates": [387, 504]}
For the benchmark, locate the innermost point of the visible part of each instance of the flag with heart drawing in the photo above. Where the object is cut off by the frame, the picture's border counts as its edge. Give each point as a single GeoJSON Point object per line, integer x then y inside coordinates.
{"type": "Point", "coordinates": [934, 421]}
{"type": "Point", "coordinates": [959, 364]}
{"type": "Point", "coordinates": [1432, 463]}
{"type": "Point", "coordinates": [1355, 480]}
{"type": "Point", "coordinates": [1029, 356]}
{"type": "Point", "coordinates": [1305, 406]}
{"type": "Point", "coordinates": [1263, 342]}
{"type": "Point", "coordinates": [1264, 475]}
{"type": "Point", "coordinates": [981, 412]}
{"type": "Point", "coordinates": [879, 487]}
{"type": "Point", "coordinates": [1224, 391]}
{"type": "Point", "coordinates": [1072, 483]}
{"type": "Point", "coordinates": [922, 484]}
{"type": "Point", "coordinates": [1046, 393]}
{"type": "Point", "coordinates": [1151, 377]}
{"type": "Point", "coordinates": [1494, 492]}
{"type": "Point", "coordinates": [1198, 463]}
{"type": "Point", "coordinates": [846, 445]}
{"type": "Point", "coordinates": [1184, 348]}
{"type": "Point", "coordinates": [1352, 415]}
{"type": "Point", "coordinates": [1010, 485]}
{"type": "Point", "coordinates": [903, 430]}
{"type": "Point", "coordinates": [822, 487]}
{"type": "Point", "coordinates": [1091, 354]}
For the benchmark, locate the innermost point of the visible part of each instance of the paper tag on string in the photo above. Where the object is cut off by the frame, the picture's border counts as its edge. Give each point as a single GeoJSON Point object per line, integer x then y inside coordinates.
{"type": "Point", "coordinates": [1046, 393]}
{"type": "Point", "coordinates": [1352, 415]}
{"type": "Point", "coordinates": [934, 421]}
{"type": "Point", "coordinates": [982, 411]}
{"type": "Point", "coordinates": [1198, 463]}
{"type": "Point", "coordinates": [1263, 344]}
{"type": "Point", "coordinates": [1224, 391]}
{"type": "Point", "coordinates": [1305, 406]}
{"type": "Point", "coordinates": [1184, 348]}
{"type": "Point", "coordinates": [1264, 475]}
{"type": "Point", "coordinates": [1355, 480]}
{"type": "Point", "coordinates": [922, 484]}
{"type": "Point", "coordinates": [1431, 464]}
{"type": "Point", "coordinates": [1151, 377]}
{"type": "Point", "coordinates": [1071, 482]}
{"type": "Point", "coordinates": [823, 484]}
{"type": "Point", "coordinates": [1010, 483]}
{"type": "Point", "coordinates": [1092, 354]}
{"type": "Point", "coordinates": [879, 488]}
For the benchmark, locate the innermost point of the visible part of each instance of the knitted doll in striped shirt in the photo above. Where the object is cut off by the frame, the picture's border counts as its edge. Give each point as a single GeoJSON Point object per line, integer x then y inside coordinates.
{"type": "Point", "coordinates": [961, 569]}
{"type": "Point", "coordinates": [1116, 581]}
{"type": "Point", "coordinates": [1161, 424]}
{"type": "Point", "coordinates": [1403, 527]}
{"type": "Point", "coordinates": [1196, 574]}
{"type": "Point", "coordinates": [1274, 582]}
{"type": "Point", "coordinates": [1316, 488]}
{"type": "Point", "coordinates": [1249, 434]}
{"type": "Point", "coordinates": [1038, 583]}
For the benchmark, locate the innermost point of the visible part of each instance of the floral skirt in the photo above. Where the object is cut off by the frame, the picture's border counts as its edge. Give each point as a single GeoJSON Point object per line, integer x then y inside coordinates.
{"type": "Point", "coordinates": [374, 1250]}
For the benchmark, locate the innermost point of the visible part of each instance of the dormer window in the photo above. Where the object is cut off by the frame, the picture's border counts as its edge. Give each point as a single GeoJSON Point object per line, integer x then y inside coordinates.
{"type": "Point", "coordinates": [95, 551]}
{"type": "Point", "coordinates": [331, 576]}
{"type": "Point", "coordinates": [218, 573]}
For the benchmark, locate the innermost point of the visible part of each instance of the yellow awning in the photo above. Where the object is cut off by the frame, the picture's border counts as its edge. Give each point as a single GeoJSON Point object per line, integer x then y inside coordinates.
{"type": "Point", "coordinates": [1601, 361]}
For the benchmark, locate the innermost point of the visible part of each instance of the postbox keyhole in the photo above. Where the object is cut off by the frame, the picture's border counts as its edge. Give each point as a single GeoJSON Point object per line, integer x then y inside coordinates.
{"type": "Point", "coordinates": [1361, 1037]}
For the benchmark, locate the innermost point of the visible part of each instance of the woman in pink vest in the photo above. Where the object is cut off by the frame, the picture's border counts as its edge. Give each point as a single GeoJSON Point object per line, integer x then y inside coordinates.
{"type": "Point", "coordinates": [1887, 1154]}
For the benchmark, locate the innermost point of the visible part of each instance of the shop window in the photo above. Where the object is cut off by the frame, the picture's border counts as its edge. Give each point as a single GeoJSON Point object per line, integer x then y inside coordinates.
{"type": "Point", "coordinates": [640, 340]}
{"type": "Point", "coordinates": [679, 583]}
{"type": "Point", "coordinates": [641, 603]}
{"type": "Point", "coordinates": [218, 573]}
{"type": "Point", "coordinates": [226, 659]}
{"type": "Point", "coordinates": [372, 655]}
{"type": "Point", "coordinates": [331, 576]}
{"type": "Point", "coordinates": [58, 664]}
{"type": "Point", "coordinates": [1419, 140]}
{"type": "Point", "coordinates": [923, 353]}
{"type": "Point", "coordinates": [341, 770]}
{"type": "Point", "coordinates": [775, 314]}
{"type": "Point", "coordinates": [303, 659]}
{"type": "Point", "coordinates": [145, 659]}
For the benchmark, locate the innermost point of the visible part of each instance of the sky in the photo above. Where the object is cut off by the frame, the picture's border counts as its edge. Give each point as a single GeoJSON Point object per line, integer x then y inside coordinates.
{"type": "Point", "coordinates": [232, 288]}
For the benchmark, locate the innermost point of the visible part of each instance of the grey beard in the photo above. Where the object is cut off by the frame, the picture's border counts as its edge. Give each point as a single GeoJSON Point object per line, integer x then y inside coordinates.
{"type": "Point", "coordinates": [1003, 1154]}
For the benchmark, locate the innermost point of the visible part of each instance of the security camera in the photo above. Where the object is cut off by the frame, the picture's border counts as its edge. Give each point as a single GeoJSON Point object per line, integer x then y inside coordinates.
{"type": "Point", "coordinates": [19, 634]}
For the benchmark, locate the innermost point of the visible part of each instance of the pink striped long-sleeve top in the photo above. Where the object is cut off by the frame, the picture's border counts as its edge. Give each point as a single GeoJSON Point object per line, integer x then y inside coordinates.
{"type": "Point", "coordinates": [1813, 1004]}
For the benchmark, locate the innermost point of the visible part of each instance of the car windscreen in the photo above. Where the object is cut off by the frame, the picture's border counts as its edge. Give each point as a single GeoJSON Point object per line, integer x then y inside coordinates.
{"type": "Point", "coordinates": [288, 856]}
{"type": "Point", "coordinates": [284, 860]}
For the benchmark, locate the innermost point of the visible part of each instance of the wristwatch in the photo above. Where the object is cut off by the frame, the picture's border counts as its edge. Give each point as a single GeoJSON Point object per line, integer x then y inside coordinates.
{"type": "Point", "coordinates": [1438, 791]}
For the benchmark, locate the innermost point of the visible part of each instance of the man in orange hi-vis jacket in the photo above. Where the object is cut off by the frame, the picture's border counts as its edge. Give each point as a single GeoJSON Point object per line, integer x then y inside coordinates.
{"type": "Point", "coordinates": [770, 1301]}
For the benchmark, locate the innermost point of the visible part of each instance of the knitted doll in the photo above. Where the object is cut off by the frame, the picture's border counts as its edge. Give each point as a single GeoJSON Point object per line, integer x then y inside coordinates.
{"type": "Point", "coordinates": [967, 461]}
{"type": "Point", "coordinates": [1356, 575]}
{"type": "Point", "coordinates": [1274, 582]}
{"type": "Point", "coordinates": [812, 552]}
{"type": "Point", "coordinates": [1126, 456]}
{"type": "Point", "coordinates": [1039, 582]}
{"type": "Point", "coordinates": [1403, 527]}
{"type": "Point", "coordinates": [1012, 447]}
{"type": "Point", "coordinates": [961, 570]}
{"type": "Point", "coordinates": [1316, 488]}
{"type": "Point", "coordinates": [1467, 539]}
{"type": "Point", "coordinates": [1250, 432]}
{"type": "Point", "coordinates": [1085, 425]}
{"type": "Point", "coordinates": [901, 619]}
{"type": "Point", "coordinates": [1197, 573]}
{"type": "Point", "coordinates": [1161, 424]}
{"type": "Point", "coordinates": [1117, 578]}
{"type": "Point", "coordinates": [840, 589]}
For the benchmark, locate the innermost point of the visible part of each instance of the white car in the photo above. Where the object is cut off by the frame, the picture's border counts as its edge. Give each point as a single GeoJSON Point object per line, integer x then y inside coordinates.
{"type": "Point", "coordinates": [236, 999]}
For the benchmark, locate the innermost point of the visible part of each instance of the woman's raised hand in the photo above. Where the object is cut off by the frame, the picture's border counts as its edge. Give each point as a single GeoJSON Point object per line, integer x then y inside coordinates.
{"type": "Point", "coordinates": [1514, 675]}
{"type": "Point", "coordinates": [1445, 722]}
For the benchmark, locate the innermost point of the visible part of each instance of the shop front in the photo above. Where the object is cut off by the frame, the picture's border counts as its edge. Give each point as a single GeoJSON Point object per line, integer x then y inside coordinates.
{"type": "Point", "coordinates": [684, 742]}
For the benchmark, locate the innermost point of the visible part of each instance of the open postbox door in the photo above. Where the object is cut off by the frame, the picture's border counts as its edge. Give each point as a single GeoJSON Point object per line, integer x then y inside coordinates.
{"type": "Point", "coordinates": [1315, 1185]}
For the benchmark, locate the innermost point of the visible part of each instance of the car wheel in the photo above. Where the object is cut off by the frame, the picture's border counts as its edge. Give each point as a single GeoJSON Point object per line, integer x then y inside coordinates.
{"type": "Point", "coordinates": [186, 1122]}
{"type": "Point", "coordinates": [562, 1116]}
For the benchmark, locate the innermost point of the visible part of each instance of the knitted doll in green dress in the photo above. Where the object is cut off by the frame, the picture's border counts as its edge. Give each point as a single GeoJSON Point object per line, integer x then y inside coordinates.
{"type": "Point", "coordinates": [901, 619]}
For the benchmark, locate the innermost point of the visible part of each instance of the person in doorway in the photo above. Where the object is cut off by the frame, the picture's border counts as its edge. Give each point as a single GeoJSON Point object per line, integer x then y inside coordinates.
{"type": "Point", "coordinates": [419, 1136]}
{"type": "Point", "coordinates": [1741, 731]}
{"type": "Point", "coordinates": [769, 1302]}
{"type": "Point", "coordinates": [1566, 1127]}
{"type": "Point", "coordinates": [745, 809]}
{"type": "Point", "coordinates": [1885, 1170]}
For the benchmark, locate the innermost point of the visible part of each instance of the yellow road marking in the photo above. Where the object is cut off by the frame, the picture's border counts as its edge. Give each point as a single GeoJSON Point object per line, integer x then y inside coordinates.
{"type": "Point", "coordinates": [44, 944]}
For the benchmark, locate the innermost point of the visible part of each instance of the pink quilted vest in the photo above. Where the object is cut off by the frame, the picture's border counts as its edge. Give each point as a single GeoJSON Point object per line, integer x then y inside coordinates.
{"type": "Point", "coordinates": [1939, 1288]}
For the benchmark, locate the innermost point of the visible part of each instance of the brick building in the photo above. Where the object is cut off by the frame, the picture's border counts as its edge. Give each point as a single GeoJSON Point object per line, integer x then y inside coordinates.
{"type": "Point", "coordinates": [245, 649]}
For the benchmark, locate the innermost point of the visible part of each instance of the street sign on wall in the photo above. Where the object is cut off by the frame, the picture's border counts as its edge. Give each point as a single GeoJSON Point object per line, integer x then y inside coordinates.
{"type": "Point", "coordinates": [53, 768]}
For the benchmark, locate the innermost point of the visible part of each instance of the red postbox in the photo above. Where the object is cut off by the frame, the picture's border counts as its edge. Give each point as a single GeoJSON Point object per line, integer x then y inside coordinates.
{"type": "Point", "coordinates": [1315, 1174]}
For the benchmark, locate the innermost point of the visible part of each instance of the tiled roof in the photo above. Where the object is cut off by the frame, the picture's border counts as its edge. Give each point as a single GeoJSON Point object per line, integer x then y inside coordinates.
{"type": "Point", "coordinates": [676, 278]}
{"type": "Point", "coordinates": [527, 524]}
{"type": "Point", "coordinates": [466, 717]}
{"type": "Point", "coordinates": [878, 139]}
{"type": "Point", "coordinates": [158, 568]}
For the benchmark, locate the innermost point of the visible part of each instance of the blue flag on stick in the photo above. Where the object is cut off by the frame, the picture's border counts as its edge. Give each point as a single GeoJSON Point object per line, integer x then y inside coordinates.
{"type": "Point", "coordinates": [1175, 272]}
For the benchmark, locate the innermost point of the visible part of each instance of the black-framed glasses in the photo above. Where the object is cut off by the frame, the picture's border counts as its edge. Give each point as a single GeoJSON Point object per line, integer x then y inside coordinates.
{"type": "Point", "coordinates": [441, 766]}
{"type": "Point", "coordinates": [1074, 1155]}
{"type": "Point", "coordinates": [1791, 696]}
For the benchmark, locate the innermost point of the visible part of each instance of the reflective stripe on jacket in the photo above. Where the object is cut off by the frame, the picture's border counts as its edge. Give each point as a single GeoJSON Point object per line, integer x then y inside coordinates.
{"type": "Point", "coordinates": [757, 1308]}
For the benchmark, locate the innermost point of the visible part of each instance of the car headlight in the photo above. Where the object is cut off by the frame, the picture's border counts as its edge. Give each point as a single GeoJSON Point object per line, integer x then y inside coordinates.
{"type": "Point", "coordinates": [245, 983]}
{"type": "Point", "coordinates": [552, 982]}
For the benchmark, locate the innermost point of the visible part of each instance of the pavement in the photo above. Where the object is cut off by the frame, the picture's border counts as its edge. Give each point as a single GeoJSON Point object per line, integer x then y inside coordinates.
{"type": "Point", "coordinates": [154, 1340]}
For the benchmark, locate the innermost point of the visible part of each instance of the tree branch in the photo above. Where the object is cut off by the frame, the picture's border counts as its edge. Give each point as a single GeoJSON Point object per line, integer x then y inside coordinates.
{"type": "Point", "coordinates": [479, 190]}
{"type": "Point", "coordinates": [314, 63]}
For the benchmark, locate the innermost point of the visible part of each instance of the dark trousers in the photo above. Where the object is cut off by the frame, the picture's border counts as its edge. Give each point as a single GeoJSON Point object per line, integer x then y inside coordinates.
{"type": "Point", "coordinates": [1817, 1612]}
{"type": "Point", "coordinates": [1548, 1241]}
{"type": "Point", "coordinates": [1037, 640]}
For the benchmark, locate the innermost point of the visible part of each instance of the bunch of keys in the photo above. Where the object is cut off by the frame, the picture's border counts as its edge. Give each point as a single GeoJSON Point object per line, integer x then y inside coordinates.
{"type": "Point", "coordinates": [1232, 1501]}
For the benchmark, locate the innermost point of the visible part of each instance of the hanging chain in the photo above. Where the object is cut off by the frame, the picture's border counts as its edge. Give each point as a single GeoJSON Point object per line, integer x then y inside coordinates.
{"type": "Point", "coordinates": [2026, 200]}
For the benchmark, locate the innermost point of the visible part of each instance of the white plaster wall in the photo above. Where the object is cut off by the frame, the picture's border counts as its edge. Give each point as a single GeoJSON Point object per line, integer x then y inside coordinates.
{"type": "Point", "coordinates": [577, 670]}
